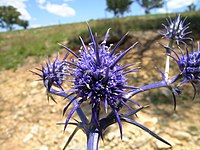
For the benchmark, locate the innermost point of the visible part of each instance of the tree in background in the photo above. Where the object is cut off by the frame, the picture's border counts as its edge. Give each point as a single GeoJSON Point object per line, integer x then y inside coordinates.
{"type": "Point", "coordinates": [150, 4]}
{"type": "Point", "coordinates": [23, 23]}
{"type": "Point", "coordinates": [191, 7]}
{"type": "Point", "coordinates": [9, 16]}
{"type": "Point", "coordinates": [118, 7]}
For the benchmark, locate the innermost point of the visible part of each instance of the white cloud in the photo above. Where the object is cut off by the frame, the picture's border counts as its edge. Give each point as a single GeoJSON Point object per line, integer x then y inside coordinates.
{"type": "Point", "coordinates": [175, 4]}
{"type": "Point", "coordinates": [19, 5]}
{"type": "Point", "coordinates": [35, 26]}
{"type": "Point", "coordinates": [163, 10]}
{"type": "Point", "coordinates": [41, 1]}
{"type": "Point", "coordinates": [62, 10]}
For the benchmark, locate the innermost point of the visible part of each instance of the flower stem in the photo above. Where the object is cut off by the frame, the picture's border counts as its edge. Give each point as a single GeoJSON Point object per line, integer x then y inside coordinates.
{"type": "Point", "coordinates": [79, 110]}
{"type": "Point", "coordinates": [148, 87]}
{"type": "Point", "coordinates": [92, 141]}
{"type": "Point", "coordinates": [167, 63]}
{"type": "Point", "coordinates": [107, 121]}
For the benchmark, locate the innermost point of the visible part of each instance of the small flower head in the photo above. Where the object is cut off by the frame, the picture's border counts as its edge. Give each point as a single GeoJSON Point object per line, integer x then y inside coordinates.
{"type": "Point", "coordinates": [54, 73]}
{"type": "Point", "coordinates": [176, 30]}
{"type": "Point", "coordinates": [99, 78]}
{"type": "Point", "coordinates": [189, 65]}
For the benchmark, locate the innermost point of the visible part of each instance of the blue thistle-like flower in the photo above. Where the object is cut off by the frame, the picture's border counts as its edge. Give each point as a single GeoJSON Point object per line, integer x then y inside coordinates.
{"type": "Point", "coordinates": [176, 30]}
{"type": "Point", "coordinates": [54, 73]}
{"type": "Point", "coordinates": [98, 78]}
{"type": "Point", "coordinates": [189, 65]}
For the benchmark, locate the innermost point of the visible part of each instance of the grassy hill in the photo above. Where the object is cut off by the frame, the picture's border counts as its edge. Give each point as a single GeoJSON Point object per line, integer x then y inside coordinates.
{"type": "Point", "coordinates": [16, 46]}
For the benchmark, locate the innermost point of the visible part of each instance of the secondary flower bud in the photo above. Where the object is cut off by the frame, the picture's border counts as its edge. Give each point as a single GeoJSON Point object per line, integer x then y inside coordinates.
{"type": "Point", "coordinates": [176, 30]}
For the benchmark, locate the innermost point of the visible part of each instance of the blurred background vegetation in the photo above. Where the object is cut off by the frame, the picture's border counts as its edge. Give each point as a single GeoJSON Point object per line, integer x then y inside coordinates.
{"type": "Point", "coordinates": [16, 46]}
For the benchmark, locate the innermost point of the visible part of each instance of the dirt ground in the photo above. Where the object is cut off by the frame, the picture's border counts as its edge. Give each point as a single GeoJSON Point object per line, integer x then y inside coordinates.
{"type": "Point", "coordinates": [28, 120]}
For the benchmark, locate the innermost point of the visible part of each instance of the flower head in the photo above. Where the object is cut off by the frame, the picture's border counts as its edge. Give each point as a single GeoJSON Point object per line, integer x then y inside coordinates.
{"type": "Point", "coordinates": [189, 65]}
{"type": "Point", "coordinates": [176, 30]}
{"type": "Point", "coordinates": [54, 73]}
{"type": "Point", "coordinates": [99, 78]}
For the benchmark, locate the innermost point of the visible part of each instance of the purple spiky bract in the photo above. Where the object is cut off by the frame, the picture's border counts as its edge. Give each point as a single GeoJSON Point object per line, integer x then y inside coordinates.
{"type": "Point", "coordinates": [189, 65]}
{"type": "Point", "coordinates": [176, 30]}
{"type": "Point", "coordinates": [99, 78]}
{"type": "Point", "coordinates": [53, 73]}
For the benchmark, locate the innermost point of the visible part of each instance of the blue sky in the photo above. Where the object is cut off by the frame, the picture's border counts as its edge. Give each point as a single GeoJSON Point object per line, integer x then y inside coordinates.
{"type": "Point", "coordinates": [53, 12]}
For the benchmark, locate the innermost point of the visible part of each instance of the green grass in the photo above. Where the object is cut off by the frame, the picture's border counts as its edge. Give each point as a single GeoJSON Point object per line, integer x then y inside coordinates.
{"type": "Point", "coordinates": [16, 46]}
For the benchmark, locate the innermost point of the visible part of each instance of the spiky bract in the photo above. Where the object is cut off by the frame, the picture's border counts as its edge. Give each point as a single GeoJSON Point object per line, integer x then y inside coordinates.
{"type": "Point", "coordinates": [189, 65]}
{"type": "Point", "coordinates": [54, 73]}
{"type": "Point", "coordinates": [98, 78]}
{"type": "Point", "coordinates": [176, 30]}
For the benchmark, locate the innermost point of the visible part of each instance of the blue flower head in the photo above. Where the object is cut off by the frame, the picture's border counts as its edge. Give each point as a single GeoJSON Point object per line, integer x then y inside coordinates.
{"type": "Point", "coordinates": [54, 73]}
{"type": "Point", "coordinates": [99, 78]}
{"type": "Point", "coordinates": [176, 30]}
{"type": "Point", "coordinates": [189, 65]}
